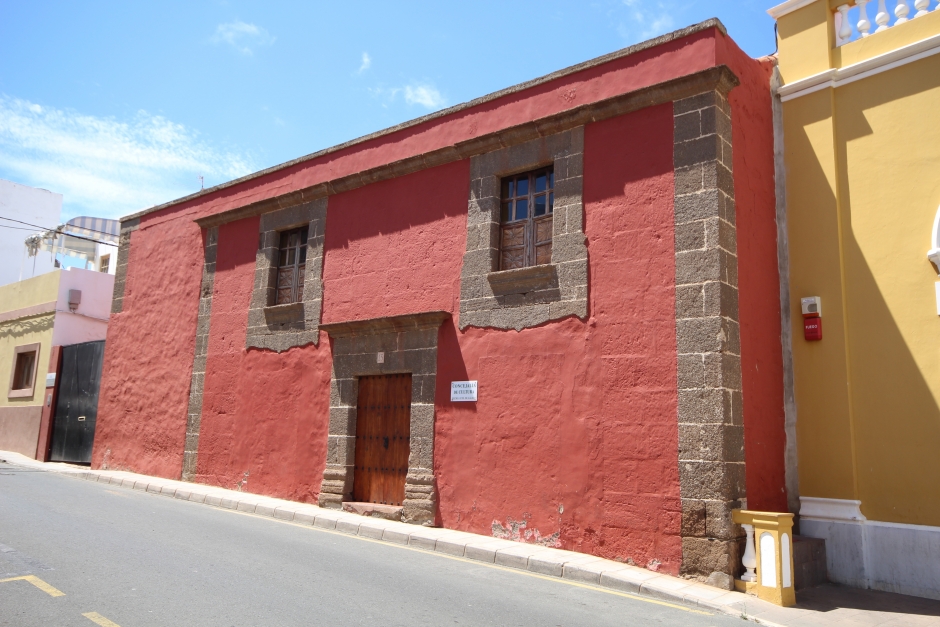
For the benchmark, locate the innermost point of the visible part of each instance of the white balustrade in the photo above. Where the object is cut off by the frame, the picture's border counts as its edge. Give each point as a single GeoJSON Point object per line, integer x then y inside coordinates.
{"type": "Point", "coordinates": [863, 24]}
{"type": "Point", "coordinates": [901, 12]}
{"type": "Point", "coordinates": [882, 17]}
{"type": "Point", "coordinates": [845, 28]}
{"type": "Point", "coordinates": [749, 559]}
{"type": "Point", "coordinates": [848, 15]}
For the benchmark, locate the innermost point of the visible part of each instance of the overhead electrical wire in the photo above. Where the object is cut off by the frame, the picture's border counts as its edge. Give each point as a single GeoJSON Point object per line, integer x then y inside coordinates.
{"type": "Point", "coordinates": [47, 229]}
{"type": "Point", "coordinates": [44, 229]}
{"type": "Point", "coordinates": [18, 228]}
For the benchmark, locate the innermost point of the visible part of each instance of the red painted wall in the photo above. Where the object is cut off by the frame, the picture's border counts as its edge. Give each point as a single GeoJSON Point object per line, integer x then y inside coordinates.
{"type": "Point", "coordinates": [396, 247]}
{"type": "Point", "coordinates": [575, 429]}
{"type": "Point", "coordinates": [149, 353]}
{"type": "Point", "coordinates": [390, 248]}
{"type": "Point", "coordinates": [758, 279]}
{"type": "Point", "coordinates": [265, 416]}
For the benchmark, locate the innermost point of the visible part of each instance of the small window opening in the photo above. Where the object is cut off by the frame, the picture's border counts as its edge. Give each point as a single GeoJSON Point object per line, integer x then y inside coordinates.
{"type": "Point", "coordinates": [291, 263]}
{"type": "Point", "coordinates": [528, 203]}
{"type": "Point", "coordinates": [105, 264]}
{"type": "Point", "coordinates": [24, 370]}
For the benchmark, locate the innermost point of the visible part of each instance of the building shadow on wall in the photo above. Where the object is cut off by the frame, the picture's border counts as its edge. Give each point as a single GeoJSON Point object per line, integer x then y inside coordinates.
{"type": "Point", "coordinates": [895, 414]}
{"type": "Point", "coordinates": [27, 326]}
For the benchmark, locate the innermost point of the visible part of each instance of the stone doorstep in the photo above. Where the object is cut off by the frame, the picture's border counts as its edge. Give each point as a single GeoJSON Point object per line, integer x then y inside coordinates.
{"type": "Point", "coordinates": [534, 558]}
{"type": "Point", "coordinates": [374, 510]}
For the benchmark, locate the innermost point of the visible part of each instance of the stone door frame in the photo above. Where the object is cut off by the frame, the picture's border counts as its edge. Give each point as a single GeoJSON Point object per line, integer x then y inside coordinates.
{"type": "Point", "coordinates": [399, 344]}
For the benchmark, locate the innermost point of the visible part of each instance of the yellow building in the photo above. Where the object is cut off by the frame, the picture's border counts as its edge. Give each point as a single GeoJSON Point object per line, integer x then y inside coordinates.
{"type": "Point", "coordinates": [859, 89]}
{"type": "Point", "coordinates": [59, 308]}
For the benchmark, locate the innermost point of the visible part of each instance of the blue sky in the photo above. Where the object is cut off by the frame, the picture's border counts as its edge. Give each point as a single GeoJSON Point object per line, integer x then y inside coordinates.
{"type": "Point", "coordinates": [122, 105]}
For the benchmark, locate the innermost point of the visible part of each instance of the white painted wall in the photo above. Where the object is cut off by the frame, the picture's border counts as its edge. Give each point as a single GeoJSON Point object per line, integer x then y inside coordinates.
{"type": "Point", "coordinates": [27, 204]}
{"type": "Point", "coordinates": [89, 322]}
{"type": "Point", "coordinates": [870, 554]}
{"type": "Point", "coordinates": [111, 251]}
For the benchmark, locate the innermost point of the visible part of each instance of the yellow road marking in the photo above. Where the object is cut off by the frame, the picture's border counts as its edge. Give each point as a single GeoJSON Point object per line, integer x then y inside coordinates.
{"type": "Point", "coordinates": [516, 571]}
{"type": "Point", "coordinates": [39, 583]}
{"type": "Point", "coordinates": [97, 618]}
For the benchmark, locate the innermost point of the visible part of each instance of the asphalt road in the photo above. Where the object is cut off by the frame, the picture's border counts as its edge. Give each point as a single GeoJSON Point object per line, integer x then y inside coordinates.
{"type": "Point", "coordinates": [119, 557]}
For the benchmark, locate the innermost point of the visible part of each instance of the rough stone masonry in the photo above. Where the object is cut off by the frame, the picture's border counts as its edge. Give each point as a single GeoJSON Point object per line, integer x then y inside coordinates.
{"type": "Point", "coordinates": [711, 427]}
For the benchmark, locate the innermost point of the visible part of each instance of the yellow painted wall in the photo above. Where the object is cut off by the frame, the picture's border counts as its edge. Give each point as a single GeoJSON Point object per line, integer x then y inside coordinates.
{"type": "Point", "coordinates": [891, 39]}
{"type": "Point", "coordinates": [862, 190]}
{"type": "Point", "coordinates": [28, 330]}
{"type": "Point", "coordinates": [803, 42]}
{"type": "Point", "coordinates": [824, 438]}
{"type": "Point", "coordinates": [892, 190]}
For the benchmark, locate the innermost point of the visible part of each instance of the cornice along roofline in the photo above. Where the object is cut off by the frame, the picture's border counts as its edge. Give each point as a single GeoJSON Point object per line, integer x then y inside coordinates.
{"type": "Point", "coordinates": [788, 7]}
{"type": "Point", "coordinates": [837, 77]}
{"type": "Point", "coordinates": [624, 52]}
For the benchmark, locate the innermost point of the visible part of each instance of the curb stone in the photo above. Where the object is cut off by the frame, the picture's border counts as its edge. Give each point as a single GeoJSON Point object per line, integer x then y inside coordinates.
{"type": "Point", "coordinates": [560, 563]}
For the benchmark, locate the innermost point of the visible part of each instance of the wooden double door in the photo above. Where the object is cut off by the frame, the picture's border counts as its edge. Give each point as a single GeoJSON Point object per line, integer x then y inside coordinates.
{"type": "Point", "coordinates": [383, 442]}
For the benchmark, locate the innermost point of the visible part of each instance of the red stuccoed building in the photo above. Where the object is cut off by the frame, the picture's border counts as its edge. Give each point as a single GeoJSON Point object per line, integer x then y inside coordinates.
{"type": "Point", "coordinates": [596, 249]}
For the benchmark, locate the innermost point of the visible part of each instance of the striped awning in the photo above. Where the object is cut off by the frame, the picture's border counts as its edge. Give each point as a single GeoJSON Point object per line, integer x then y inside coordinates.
{"type": "Point", "coordinates": [77, 237]}
{"type": "Point", "coordinates": [101, 229]}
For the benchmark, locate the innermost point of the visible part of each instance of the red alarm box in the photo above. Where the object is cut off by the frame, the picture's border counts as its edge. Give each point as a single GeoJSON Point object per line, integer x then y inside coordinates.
{"type": "Point", "coordinates": [812, 329]}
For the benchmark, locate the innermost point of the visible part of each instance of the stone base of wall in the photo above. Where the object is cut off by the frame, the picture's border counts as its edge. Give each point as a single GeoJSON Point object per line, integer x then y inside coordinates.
{"type": "Point", "coordinates": [19, 429]}
{"type": "Point", "coordinates": [893, 557]}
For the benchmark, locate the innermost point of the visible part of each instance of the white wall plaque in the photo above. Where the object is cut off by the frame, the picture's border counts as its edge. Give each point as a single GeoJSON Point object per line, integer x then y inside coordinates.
{"type": "Point", "coordinates": [463, 391]}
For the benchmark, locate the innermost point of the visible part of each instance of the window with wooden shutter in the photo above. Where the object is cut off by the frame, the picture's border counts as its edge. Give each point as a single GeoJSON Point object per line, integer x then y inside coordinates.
{"type": "Point", "coordinates": [291, 263]}
{"type": "Point", "coordinates": [526, 219]}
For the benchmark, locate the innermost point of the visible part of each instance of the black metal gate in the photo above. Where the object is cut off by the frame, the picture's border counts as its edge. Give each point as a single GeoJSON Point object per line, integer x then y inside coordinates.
{"type": "Point", "coordinates": [76, 410]}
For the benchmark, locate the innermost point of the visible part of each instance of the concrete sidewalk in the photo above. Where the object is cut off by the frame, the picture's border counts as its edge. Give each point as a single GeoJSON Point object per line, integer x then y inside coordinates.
{"type": "Point", "coordinates": [822, 606]}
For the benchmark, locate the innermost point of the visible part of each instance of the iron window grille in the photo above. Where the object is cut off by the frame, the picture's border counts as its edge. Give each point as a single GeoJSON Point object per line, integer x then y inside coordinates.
{"type": "Point", "coordinates": [291, 263]}
{"type": "Point", "coordinates": [528, 202]}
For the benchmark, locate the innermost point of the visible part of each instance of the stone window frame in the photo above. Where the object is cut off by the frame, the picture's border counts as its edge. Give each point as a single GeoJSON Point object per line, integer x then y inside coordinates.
{"type": "Point", "coordinates": [525, 297]}
{"type": "Point", "coordinates": [408, 345]}
{"type": "Point", "coordinates": [281, 327]}
{"type": "Point", "coordinates": [17, 351]}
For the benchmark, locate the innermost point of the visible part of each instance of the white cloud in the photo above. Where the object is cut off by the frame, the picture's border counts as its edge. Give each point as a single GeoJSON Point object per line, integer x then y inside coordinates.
{"type": "Point", "coordinates": [366, 62]}
{"type": "Point", "coordinates": [241, 36]}
{"type": "Point", "coordinates": [424, 95]}
{"type": "Point", "coordinates": [646, 19]}
{"type": "Point", "coordinates": [106, 167]}
{"type": "Point", "coordinates": [416, 93]}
